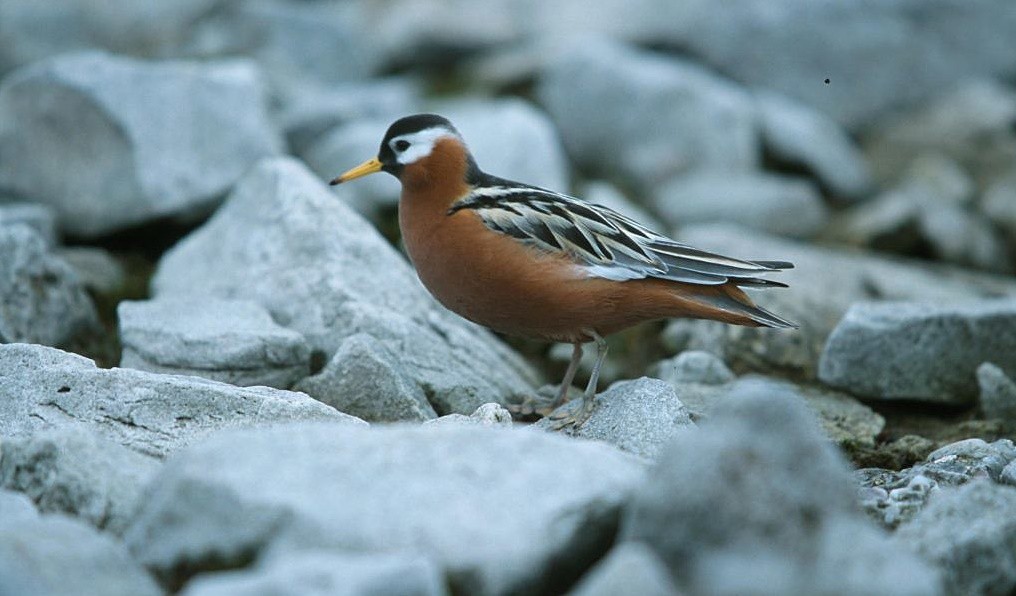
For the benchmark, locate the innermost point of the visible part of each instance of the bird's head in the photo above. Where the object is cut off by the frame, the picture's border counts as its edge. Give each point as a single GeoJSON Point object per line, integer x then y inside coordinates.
{"type": "Point", "coordinates": [413, 149]}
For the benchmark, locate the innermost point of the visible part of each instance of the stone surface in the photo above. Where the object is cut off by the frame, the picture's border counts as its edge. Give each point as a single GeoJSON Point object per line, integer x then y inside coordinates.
{"type": "Point", "coordinates": [38, 217]}
{"type": "Point", "coordinates": [765, 498]}
{"type": "Point", "coordinates": [74, 471]}
{"type": "Point", "coordinates": [498, 510]}
{"type": "Point", "coordinates": [42, 300]}
{"type": "Point", "coordinates": [233, 341]}
{"type": "Point", "coordinates": [693, 366]}
{"type": "Point", "coordinates": [334, 574]}
{"type": "Point", "coordinates": [639, 416]}
{"type": "Point", "coordinates": [970, 533]}
{"type": "Point", "coordinates": [944, 346]}
{"type": "Point", "coordinates": [997, 393]}
{"type": "Point", "coordinates": [172, 137]}
{"type": "Point", "coordinates": [42, 388]}
{"type": "Point", "coordinates": [798, 135]}
{"type": "Point", "coordinates": [16, 507]}
{"type": "Point", "coordinates": [768, 202]}
{"type": "Point", "coordinates": [364, 379]}
{"type": "Point", "coordinates": [823, 285]}
{"type": "Point", "coordinates": [655, 117]}
{"type": "Point", "coordinates": [97, 268]}
{"type": "Point", "coordinates": [485, 415]}
{"type": "Point", "coordinates": [629, 568]}
{"type": "Point", "coordinates": [326, 273]}
{"type": "Point", "coordinates": [56, 556]}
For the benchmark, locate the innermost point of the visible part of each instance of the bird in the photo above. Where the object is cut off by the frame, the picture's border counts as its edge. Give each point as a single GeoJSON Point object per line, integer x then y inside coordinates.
{"type": "Point", "coordinates": [531, 262]}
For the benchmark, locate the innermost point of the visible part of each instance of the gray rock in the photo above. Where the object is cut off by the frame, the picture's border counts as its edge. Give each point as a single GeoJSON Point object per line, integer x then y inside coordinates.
{"type": "Point", "coordinates": [823, 285]}
{"type": "Point", "coordinates": [97, 269]}
{"type": "Point", "coordinates": [16, 507]}
{"type": "Point", "coordinates": [233, 341]}
{"type": "Point", "coordinates": [312, 112]}
{"type": "Point", "coordinates": [38, 217]}
{"type": "Point", "coordinates": [997, 393]}
{"type": "Point", "coordinates": [768, 202]}
{"type": "Point", "coordinates": [629, 568]}
{"type": "Point", "coordinates": [971, 123]}
{"type": "Point", "coordinates": [758, 497]}
{"type": "Point", "coordinates": [54, 555]}
{"type": "Point", "coordinates": [485, 415]}
{"type": "Point", "coordinates": [645, 118]}
{"type": "Point", "coordinates": [893, 498]}
{"type": "Point", "coordinates": [693, 366]}
{"type": "Point", "coordinates": [965, 460]}
{"type": "Point", "coordinates": [151, 413]}
{"type": "Point", "coordinates": [639, 416]}
{"type": "Point", "coordinates": [959, 236]}
{"type": "Point", "coordinates": [327, 274]}
{"type": "Point", "coordinates": [1008, 475]}
{"type": "Point", "coordinates": [606, 194]}
{"type": "Point", "coordinates": [41, 298]}
{"type": "Point", "coordinates": [798, 135]}
{"type": "Point", "coordinates": [944, 346]}
{"type": "Point", "coordinates": [970, 534]}
{"type": "Point", "coordinates": [334, 574]}
{"type": "Point", "coordinates": [364, 379]}
{"type": "Point", "coordinates": [173, 137]}
{"type": "Point", "coordinates": [72, 470]}
{"type": "Point", "coordinates": [515, 510]}
{"type": "Point", "coordinates": [999, 204]}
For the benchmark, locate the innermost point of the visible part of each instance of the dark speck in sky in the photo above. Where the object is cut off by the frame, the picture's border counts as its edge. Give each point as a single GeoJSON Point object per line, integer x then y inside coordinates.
{"type": "Point", "coordinates": [827, 81]}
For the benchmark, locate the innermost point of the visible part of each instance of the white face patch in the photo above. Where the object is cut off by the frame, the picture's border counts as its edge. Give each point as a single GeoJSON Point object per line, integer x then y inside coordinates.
{"type": "Point", "coordinates": [420, 143]}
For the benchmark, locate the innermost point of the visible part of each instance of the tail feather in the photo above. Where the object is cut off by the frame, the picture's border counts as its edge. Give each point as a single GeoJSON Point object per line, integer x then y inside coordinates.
{"type": "Point", "coordinates": [733, 300]}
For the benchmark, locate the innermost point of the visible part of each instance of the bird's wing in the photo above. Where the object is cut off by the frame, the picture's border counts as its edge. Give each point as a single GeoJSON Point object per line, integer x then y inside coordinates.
{"type": "Point", "coordinates": [604, 242]}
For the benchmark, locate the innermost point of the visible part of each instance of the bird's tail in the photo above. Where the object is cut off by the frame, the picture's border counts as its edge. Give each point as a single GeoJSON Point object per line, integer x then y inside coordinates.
{"type": "Point", "coordinates": [740, 309]}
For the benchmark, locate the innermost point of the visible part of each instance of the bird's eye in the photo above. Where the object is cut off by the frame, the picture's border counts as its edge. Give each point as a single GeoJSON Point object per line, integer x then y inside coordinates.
{"type": "Point", "coordinates": [401, 145]}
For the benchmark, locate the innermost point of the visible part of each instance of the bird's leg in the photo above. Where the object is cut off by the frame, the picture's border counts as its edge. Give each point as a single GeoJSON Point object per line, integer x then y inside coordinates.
{"type": "Point", "coordinates": [594, 377]}
{"type": "Point", "coordinates": [569, 375]}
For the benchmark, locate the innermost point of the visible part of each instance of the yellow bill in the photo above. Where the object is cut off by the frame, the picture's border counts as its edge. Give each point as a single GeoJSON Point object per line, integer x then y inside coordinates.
{"type": "Point", "coordinates": [370, 166]}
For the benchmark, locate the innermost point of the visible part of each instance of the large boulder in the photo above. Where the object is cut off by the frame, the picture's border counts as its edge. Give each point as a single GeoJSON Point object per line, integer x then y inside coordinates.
{"type": "Point", "coordinates": [283, 241]}
{"type": "Point", "coordinates": [112, 142]}
{"type": "Point", "coordinates": [499, 510]}
{"type": "Point", "coordinates": [42, 388]}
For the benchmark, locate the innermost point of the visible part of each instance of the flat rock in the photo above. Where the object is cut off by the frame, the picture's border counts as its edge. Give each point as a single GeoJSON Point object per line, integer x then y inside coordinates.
{"type": "Point", "coordinates": [629, 568]}
{"type": "Point", "coordinates": [997, 393]}
{"type": "Point", "coordinates": [154, 414]}
{"type": "Point", "coordinates": [38, 217]}
{"type": "Point", "coordinates": [693, 366]}
{"type": "Point", "coordinates": [769, 202]}
{"type": "Point", "coordinates": [485, 415]}
{"type": "Point", "coordinates": [516, 510]}
{"type": "Point", "coordinates": [639, 416]}
{"type": "Point", "coordinates": [173, 137]}
{"type": "Point", "coordinates": [656, 117]}
{"type": "Point", "coordinates": [42, 300]}
{"type": "Point", "coordinates": [969, 533]}
{"type": "Point", "coordinates": [365, 379]}
{"type": "Point", "coordinates": [823, 285]}
{"type": "Point", "coordinates": [332, 573]}
{"type": "Point", "coordinates": [233, 341]}
{"type": "Point", "coordinates": [324, 272]}
{"type": "Point", "coordinates": [74, 471]}
{"type": "Point", "coordinates": [758, 496]}
{"type": "Point", "coordinates": [55, 556]}
{"type": "Point", "coordinates": [796, 134]}
{"type": "Point", "coordinates": [945, 345]}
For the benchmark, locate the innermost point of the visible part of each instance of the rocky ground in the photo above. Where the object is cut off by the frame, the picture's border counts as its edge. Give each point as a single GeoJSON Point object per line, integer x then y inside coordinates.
{"type": "Point", "coordinates": [219, 376]}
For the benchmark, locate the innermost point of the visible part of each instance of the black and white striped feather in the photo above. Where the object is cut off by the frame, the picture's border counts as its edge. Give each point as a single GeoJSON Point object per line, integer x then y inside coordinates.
{"type": "Point", "coordinates": [605, 243]}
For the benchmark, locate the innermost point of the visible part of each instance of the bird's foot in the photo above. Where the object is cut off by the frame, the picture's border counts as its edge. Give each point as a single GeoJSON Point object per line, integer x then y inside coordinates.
{"type": "Point", "coordinates": [572, 415]}
{"type": "Point", "coordinates": [541, 405]}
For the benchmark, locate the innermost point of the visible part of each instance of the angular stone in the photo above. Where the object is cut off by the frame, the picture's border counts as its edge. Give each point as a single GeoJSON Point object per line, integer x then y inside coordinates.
{"type": "Point", "coordinates": [796, 134]}
{"type": "Point", "coordinates": [823, 285]}
{"type": "Point", "coordinates": [42, 388]}
{"type": "Point", "coordinates": [485, 415]}
{"type": "Point", "coordinates": [173, 137]}
{"type": "Point", "coordinates": [969, 533]}
{"type": "Point", "coordinates": [38, 217]}
{"type": "Point", "coordinates": [41, 298]}
{"type": "Point", "coordinates": [693, 366]}
{"type": "Point", "coordinates": [515, 510]}
{"type": "Point", "coordinates": [655, 117]}
{"type": "Point", "coordinates": [326, 273]}
{"type": "Point", "coordinates": [944, 346]}
{"type": "Point", "coordinates": [997, 393]}
{"type": "Point", "coordinates": [312, 572]}
{"type": "Point", "coordinates": [629, 568]}
{"type": "Point", "coordinates": [639, 416]}
{"type": "Point", "coordinates": [74, 471]}
{"type": "Point", "coordinates": [366, 380]}
{"type": "Point", "coordinates": [57, 556]}
{"type": "Point", "coordinates": [233, 341]}
{"type": "Point", "coordinates": [768, 202]}
{"type": "Point", "coordinates": [757, 494]}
